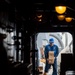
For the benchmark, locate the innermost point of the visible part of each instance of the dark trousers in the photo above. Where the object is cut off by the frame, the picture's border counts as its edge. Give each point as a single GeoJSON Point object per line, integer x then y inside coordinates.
{"type": "Point", "coordinates": [47, 67]}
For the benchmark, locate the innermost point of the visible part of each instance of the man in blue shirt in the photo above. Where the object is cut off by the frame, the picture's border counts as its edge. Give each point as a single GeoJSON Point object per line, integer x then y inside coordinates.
{"type": "Point", "coordinates": [51, 47]}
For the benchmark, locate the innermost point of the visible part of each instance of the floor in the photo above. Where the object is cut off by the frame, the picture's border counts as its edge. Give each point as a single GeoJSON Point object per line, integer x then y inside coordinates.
{"type": "Point", "coordinates": [50, 70]}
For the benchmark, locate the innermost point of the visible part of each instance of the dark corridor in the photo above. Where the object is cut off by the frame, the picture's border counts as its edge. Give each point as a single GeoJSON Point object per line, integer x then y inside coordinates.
{"type": "Point", "coordinates": [18, 20]}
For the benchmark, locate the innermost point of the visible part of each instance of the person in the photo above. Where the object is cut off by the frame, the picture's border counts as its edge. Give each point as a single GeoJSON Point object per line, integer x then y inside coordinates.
{"type": "Point", "coordinates": [3, 56]}
{"type": "Point", "coordinates": [51, 47]}
{"type": "Point", "coordinates": [6, 51]}
{"type": "Point", "coordinates": [9, 45]}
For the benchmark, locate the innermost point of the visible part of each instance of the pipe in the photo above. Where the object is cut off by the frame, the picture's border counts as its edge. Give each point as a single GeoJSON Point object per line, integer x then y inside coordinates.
{"type": "Point", "coordinates": [66, 41]}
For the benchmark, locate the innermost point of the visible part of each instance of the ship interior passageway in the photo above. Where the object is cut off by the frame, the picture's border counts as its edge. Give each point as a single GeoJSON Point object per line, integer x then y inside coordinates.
{"type": "Point", "coordinates": [25, 29]}
{"type": "Point", "coordinates": [63, 40]}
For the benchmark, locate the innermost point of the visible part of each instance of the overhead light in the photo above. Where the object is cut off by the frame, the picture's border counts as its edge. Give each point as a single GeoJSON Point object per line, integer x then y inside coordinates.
{"type": "Point", "coordinates": [39, 16]}
{"type": "Point", "coordinates": [61, 17]}
{"type": "Point", "coordinates": [39, 20]}
{"type": "Point", "coordinates": [60, 9]}
{"type": "Point", "coordinates": [68, 19]}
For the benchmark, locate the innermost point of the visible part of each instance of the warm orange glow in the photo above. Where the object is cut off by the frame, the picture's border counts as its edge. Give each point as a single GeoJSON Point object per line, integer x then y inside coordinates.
{"type": "Point", "coordinates": [68, 19]}
{"type": "Point", "coordinates": [39, 16]}
{"type": "Point", "coordinates": [60, 9]}
{"type": "Point", "coordinates": [39, 20]}
{"type": "Point", "coordinates": [61, 17]}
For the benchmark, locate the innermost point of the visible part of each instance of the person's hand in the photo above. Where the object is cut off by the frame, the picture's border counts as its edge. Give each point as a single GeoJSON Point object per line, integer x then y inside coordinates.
{"type": "Point", "coordinates": [47, 59]}
{"type": "Point", "coordinates": [51, 60]}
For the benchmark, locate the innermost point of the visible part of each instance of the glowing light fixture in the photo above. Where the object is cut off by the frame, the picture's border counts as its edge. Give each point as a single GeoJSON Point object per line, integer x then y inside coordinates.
{"type": "Point", "coordinates": [39, 20]}
{"type": "Point", "coordinates": [61, 17]}
{"type": "Point", "coordinates": [68, 19]}
{"type": "Point", "coordinates": [39, 16]}
{"type": "Point", "coordinates": [60, 9]}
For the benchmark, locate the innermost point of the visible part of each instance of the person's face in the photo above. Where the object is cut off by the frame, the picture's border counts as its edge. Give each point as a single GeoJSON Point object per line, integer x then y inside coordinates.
{"type": "Point", "coordinates": [51, 43]}
{"type": "Point", "coordinates": [8, 42]}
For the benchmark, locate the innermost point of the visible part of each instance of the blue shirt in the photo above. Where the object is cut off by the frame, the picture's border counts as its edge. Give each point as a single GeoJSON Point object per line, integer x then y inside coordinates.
{"type": "Point", "coordinates": [51, 48]}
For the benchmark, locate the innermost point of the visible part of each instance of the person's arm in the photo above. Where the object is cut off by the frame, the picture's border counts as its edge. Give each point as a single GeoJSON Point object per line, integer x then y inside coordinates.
{"type": "Point", "coordinates": [57, 51]}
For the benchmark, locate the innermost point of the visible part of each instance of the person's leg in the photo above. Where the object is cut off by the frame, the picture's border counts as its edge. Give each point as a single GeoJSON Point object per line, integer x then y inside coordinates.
{"type": "Point", "coordinates": [55, 67]}
{"type": "Point", "coordinates": [47, 66]}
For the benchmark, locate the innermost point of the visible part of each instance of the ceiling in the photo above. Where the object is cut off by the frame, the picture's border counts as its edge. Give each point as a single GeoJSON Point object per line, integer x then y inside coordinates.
{"type": "Point", "coordinates": [25, 11]}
